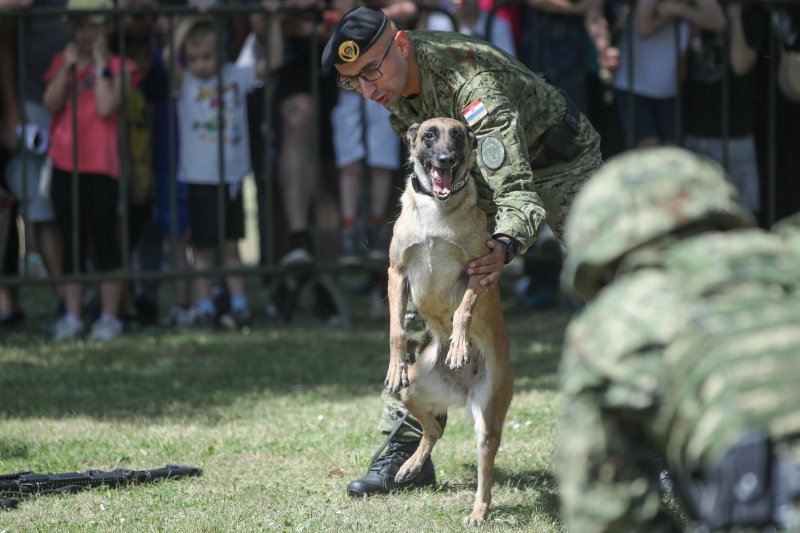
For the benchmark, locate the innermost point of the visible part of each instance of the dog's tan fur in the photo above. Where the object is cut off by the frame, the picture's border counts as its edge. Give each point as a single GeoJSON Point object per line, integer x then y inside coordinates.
{"type": "Point", "coordinates": [467, 363]}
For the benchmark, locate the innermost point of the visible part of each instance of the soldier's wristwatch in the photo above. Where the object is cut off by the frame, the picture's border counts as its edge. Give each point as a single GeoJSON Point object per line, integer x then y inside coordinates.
{"type": "Point", "coordinates": [511, 247]}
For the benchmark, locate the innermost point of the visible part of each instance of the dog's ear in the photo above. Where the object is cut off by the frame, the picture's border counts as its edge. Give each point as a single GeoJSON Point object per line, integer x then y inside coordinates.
{"type": "Point", "coordinates": [411, 134]}
{"type": "Point", "coordinates": [473, 141]}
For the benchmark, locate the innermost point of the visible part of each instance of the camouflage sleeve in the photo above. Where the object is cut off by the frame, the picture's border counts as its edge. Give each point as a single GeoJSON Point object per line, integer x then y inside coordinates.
{"type": "Point", "coordinates": [607, 483]}
{"type": "Point", "coordinates": [399, 127]}
{"type": "Point", "coordinates": [607, 479]}
{"type": "Point", "coordinates": [503, 161]}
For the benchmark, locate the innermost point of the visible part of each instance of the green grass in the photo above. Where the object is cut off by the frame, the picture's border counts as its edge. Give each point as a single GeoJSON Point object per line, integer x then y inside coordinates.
{"type": "Point", "coordinates": [280, 420]}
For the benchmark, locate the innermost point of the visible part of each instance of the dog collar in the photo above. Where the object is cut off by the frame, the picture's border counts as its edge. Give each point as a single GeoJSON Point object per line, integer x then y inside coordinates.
{"type": "Point", "coordinates": [418, 187]}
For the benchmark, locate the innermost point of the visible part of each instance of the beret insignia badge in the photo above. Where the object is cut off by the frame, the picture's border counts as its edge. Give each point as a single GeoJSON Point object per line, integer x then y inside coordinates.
{"type": "Point", "coordinates": [348, 51]}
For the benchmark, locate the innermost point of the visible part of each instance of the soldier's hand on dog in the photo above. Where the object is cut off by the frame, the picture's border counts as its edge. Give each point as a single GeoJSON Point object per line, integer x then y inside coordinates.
{"type": "Point", "coordinates": [490, 264]}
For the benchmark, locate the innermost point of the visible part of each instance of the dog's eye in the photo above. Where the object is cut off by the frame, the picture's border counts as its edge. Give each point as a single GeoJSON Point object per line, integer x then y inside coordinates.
{"type": "Point", "coordinates": [456, 133]}
{"type": "Point", "coordinates": [429, 136]}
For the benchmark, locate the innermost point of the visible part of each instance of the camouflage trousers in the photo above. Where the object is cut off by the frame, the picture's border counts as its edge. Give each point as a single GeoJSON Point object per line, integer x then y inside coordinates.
{"type": "Point", "coordinates": [418, 337]}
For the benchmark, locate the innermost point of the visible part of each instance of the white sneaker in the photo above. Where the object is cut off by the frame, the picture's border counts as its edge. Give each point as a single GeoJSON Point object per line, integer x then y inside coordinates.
{"type": "Point", "coordinates": [106, 328]}
{"type": "Point", "coordinates": [297, 257]}
{"type": "Point", "coordinates": [68, 327]}
{"type": "Point", "coordinates": [178, 317]}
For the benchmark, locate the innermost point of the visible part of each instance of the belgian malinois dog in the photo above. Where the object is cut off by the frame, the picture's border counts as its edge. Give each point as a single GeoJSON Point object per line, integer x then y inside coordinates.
{"type": "Point", "coordinates": [439, 231]}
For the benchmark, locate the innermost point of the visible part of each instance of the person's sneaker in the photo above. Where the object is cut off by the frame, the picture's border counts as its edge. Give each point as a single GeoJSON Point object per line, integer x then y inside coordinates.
{"type": "Point", "coordinates": [235, 320]}
{"type": "Point", "coordinates": [203, 320]}
{"type": "Point", "coordinates": [349, 252]}
{"type": "Point", "coordinates": [178, 317]}
{"type": "Point", "coordinates": [378, 242]}
{"type": "Point", "coordinates": [68, 327]}
{"type": "Point", "coordinates": [299, 250]}
{"type": "Point", "coordinates": [11, 318]}
{"type": "Point", "coordinates": [297, 257]}
{"type": "Point", "coordinates": [380, 477]}
{"type": "Point", "coordinates": [105, 329]}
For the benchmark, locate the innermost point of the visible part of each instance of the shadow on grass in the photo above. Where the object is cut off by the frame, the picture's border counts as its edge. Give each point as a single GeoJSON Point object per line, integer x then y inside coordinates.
{"type": "Point", "coordinates": [541, 482]}
{"type": "Point", "coordinates": [169, 374]}
{"type": "Point", "coordinates": [153, 375]}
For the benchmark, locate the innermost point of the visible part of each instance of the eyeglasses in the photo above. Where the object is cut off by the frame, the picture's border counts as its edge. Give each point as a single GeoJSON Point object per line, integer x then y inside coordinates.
{"type": "Point", "coordinates": [368, 74]}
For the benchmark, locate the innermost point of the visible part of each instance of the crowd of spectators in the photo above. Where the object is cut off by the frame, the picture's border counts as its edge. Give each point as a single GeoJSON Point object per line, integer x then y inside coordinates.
{"type": "Point", "coordinates": [182, 107]}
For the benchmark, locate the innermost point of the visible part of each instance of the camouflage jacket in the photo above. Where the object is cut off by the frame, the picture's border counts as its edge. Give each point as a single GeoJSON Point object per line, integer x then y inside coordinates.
{"type": "Point", "coordinates": [456, 71]}
{"type": "Point", "coordinates": [676, 358]}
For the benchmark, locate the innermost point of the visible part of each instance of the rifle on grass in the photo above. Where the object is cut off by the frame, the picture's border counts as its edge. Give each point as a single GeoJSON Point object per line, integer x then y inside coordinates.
{"type": "Point", "coordinates": [23, 484]}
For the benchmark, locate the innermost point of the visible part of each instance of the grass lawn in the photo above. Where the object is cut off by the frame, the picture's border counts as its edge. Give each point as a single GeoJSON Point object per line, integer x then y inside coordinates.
{"type": "Point", "coordinates": [280, 420]}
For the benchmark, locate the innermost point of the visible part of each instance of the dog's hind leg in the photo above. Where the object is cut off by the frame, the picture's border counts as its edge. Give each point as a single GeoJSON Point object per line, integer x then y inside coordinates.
{"type": "Point", "coordinates": [458, 354]}
{"type": "Point", "coordinates": [431, 433]}
{"type": "Point", "coordinates": [489, 419]}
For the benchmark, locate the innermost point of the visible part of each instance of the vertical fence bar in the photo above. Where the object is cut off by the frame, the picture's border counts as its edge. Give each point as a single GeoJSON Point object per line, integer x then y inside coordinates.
{"type": "Point", "coordinates": [678, 88]}
{"type": "Point", "coordinates": [221, 185]}
{"type": "Point", "coordinates": [630, 119]}
{"type": "Point", "coordinates": [173, 145]}
{"type": "Point", "coordinates": [24, 154]}
{"type": "Point", "coordinates": [725, 100]}
{"type": "Point", "coordinates": [73, 75]}
{"type": "Point", "coordinates": [771, 115]}
{"type": "Point", "coordinates": [124, 148]}
{"type": "Point", "coordinates": [316, 165]}
{"type": "Point", "coordinates": [267, 190]}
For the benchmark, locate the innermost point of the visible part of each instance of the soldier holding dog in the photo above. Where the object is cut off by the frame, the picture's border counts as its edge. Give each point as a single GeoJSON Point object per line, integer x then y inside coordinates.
{"type": "Point", "coordinates": [535, 150]}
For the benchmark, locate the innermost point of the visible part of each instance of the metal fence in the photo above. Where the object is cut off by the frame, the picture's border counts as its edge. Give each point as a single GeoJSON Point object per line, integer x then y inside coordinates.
{"type": "Point", "coordinates": [269, 266]}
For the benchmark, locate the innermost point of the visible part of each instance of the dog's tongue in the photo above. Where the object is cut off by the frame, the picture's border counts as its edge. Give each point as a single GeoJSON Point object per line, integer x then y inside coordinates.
{"type": "Point", "coordinates": [442, 179]}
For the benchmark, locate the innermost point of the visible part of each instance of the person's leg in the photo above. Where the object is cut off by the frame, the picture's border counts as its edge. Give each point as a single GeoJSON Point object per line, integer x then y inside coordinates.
{"type": "Point", "coordinates": [296, 172]}
{"type": "Point", "coordinates": [378, 232]}
{"type": "Point", "coordinates": [69, 326]}
{"type": "Point", "coordinates": [383, 158]}
{"type": "Point", "coordinates": [237, 315]}
{"type": "Point", "coordinates": [349, 192]}
{"type": "Point", "coordinates": [347, 121]}
{"type": "Point", "coordinates": [10, 312]}
{"type": "Point", "coordinates": [664, 113]}
{"type": "Point", "coordinates": [402, 431]}
{"type": "Point", "coordinates": [100, 208]}
{"type": "Point", "coordinates": [23, 179]}
{"type": "Point", "coordinates": [637, 120]}
{"type": "Point", "coordinates": [204, 240]}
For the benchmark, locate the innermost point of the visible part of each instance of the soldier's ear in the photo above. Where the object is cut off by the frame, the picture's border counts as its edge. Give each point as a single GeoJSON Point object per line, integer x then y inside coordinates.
{"type": "Point", "coordinates": [411, 134]}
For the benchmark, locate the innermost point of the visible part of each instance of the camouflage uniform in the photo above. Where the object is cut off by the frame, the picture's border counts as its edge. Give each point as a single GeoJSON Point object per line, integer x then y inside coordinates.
{"type": "Point", "coordinates": [520, 184]}
{"type": "Point", "coordinates": [522, 188]}
{"type": "Point", "coordinates": [689, 342]}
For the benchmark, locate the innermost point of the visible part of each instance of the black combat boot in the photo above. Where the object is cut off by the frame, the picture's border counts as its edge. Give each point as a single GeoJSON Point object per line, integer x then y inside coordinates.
{"type": "Point", "coordinates": [380, 477]}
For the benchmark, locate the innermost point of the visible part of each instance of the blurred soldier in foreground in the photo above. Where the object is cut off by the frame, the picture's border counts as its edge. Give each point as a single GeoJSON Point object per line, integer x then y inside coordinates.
{"type": "Point", "coordinates": [688, 349]}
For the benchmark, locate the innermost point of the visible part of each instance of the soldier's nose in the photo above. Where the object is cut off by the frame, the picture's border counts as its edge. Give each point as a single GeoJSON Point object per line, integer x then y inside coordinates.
{"type": "Point", "coordinates": [367, 88]}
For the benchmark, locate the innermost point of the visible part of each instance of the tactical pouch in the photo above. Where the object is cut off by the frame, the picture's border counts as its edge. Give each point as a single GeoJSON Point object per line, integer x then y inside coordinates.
{"type": "Point", "coordinates": [558, 142]}
{"type": "Point", "coordinates": [738, 489]}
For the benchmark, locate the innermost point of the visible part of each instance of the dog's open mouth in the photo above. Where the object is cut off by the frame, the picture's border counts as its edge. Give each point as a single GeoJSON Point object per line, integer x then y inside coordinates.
{"type": "Point", "coordinates": [441, 181]}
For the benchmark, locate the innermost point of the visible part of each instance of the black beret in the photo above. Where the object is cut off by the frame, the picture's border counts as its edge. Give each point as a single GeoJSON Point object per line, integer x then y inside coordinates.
{"type": "Point", "coordinates": [355, 33]}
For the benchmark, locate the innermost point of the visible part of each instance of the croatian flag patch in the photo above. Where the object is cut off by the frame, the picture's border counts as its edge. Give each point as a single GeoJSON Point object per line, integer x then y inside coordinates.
{"type": "Point", "coordinates": [474, 112]}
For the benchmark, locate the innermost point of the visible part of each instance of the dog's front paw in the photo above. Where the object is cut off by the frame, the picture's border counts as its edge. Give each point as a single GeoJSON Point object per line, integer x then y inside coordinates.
{"type": "Point", "coordinates": [458, 354]}
{"type": "Point", "coordinates": [396, 376]}
{"type": "Point", "coordinates": [407, 472]}
{"type": "Point", "coordinates": [472, 521]}
{"type": "Point", "coordinates": [478, 514]}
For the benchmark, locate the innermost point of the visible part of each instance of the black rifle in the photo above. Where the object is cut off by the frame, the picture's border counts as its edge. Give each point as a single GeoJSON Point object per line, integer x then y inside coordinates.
{"type": "Point", "coordinates": [27, 483]}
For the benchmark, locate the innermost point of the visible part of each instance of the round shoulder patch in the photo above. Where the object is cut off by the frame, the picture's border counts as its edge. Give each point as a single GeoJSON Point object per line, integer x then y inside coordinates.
{"type": "Point", "coordinates": [493, 152]}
